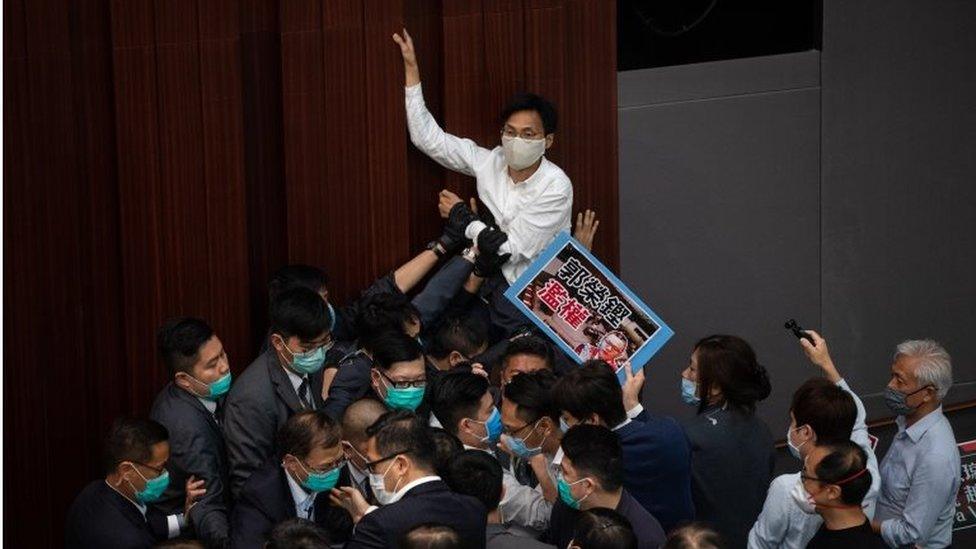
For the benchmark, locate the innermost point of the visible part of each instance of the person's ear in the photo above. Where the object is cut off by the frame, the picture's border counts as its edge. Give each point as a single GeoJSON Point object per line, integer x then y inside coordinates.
{"type": "Point", "coordinates": [374, 378]}
{"type": "Point", "coordinates": [549, 139]}
{"type": "Point", "coordinates": [455, 358]}
{"type": "Point", "coordinates": [594, 419]}
{"type": "Point", "coordinates": [833, 491]}
{"type": "Point", "coordinates": [277, 342]}
{"type": "Point", "coordinates": [181, 381]}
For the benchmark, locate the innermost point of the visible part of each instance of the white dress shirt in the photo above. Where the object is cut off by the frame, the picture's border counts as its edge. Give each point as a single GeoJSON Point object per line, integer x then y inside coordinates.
{"type": "Point", "coordinates": [782, 524]}
{"type": "Point", "coordinates": [531, 213]}
{"type": "Point", "coordinates": [296, 381]}
{"type": "Point", "coordinates": [521, 505]}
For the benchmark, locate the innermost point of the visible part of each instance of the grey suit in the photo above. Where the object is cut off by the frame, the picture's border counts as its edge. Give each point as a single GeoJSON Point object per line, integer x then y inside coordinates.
{"type": "Point", "coordinates": [260, 402]}
{"type": "Point", "coordinates": [500, 537]}
{"type": "Point", "coordinates": [196, 448]}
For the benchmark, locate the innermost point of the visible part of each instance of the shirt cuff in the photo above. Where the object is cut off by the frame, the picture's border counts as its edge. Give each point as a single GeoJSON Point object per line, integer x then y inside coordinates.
{"type": "Point", "coordinates": [371, 508]}
{"type": "Point", "coordinates": [174, 525]}
{"type": "Point", "coordinates": [635, 411]}
{"type": "Point", "coordinates": [473, 229]}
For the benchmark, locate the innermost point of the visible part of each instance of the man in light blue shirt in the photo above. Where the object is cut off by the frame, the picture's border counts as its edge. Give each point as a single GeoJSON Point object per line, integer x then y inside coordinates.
{"type": "Point", "coordinates": [920, 472]}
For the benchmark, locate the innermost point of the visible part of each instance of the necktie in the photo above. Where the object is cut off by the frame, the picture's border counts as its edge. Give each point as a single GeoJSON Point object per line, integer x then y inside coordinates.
{"type": "Point", "coordinates": [303, 394]}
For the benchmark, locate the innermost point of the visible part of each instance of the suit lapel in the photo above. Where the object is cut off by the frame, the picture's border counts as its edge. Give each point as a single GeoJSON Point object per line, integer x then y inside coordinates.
{"type": "Point", "coordinates": [197, 406]}
{"type": "Point", "coordinates": [283, 386]}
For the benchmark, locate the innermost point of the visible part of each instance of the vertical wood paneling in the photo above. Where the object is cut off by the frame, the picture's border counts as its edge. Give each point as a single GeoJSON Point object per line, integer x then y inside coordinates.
{"type": "Point", "coordinates": [164, 158]}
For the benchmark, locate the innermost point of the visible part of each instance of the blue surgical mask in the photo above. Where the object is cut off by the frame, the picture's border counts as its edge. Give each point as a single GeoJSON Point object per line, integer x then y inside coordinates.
{"type": "Point", "coordinates": [566, 493]}
{"type": "Point", "coordinates": [308, 362]}
{"type": "Point", "coordinates": [216, 389]}
{"type": "Point", "coordinates": [689, 392]}
{"type": "Point", "coordinates": [563, 426]}
{"type": "Point", "coordinates": [518, 447]}
{"type": "Point", "coordinates": [897, 401]}
{"type": "Point", "coordinates": [320, 482]}
{"type": "Point", "coordinates": [154, 487]}
{"type": "Point", "coordinates": [408, 398]}
{"type": "Point", "coordinates": [493, 427]}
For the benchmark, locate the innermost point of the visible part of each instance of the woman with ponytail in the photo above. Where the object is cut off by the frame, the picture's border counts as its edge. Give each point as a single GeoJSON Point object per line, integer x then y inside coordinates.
{"type": "Point", "coordinates": [732, 449]}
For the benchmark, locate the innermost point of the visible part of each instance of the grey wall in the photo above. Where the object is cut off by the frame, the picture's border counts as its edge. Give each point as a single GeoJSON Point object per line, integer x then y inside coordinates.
{"type": "Point", "coordinates": [838, 188]}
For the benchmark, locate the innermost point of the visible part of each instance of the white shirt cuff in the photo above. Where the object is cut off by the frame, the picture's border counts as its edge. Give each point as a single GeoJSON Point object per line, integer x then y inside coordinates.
{"type": "Point", "coordinates": [370, 509]}
{"type": "Point", "coordinates": [473, 229]}
{"type": "Point", "coordinates": [635, 411]}
{"type": "Point", "coordinates": [174, 525]}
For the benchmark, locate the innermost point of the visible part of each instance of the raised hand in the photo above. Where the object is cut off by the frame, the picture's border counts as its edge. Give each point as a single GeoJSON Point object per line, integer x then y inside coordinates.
{"type": "Point", "coordinates": [586, 225]}
{"type": "Point", "coordinates": [350, 499]}
{"type": "Point", "coordinates": [633, 384]}
{"type": "Point", "coordinates": [819, 355]}
{"type": "Point", "coordinates": [410, 69]}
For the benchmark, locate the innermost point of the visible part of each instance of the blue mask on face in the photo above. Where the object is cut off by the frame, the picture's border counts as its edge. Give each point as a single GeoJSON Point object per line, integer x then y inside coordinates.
{"type": "Point", "coordinates": [493, 427]}
{"type": "Point", "coordinates": [565, 492]}
{"type": "Point", "coordinates": [689, 392]}
{"type": "Point", "coordinates": [308, 362]}
{"type": "Point", "coordinates": [563, 426]}
{"type": "Point", "coordinates": [154, 487]}
{"type": "Point", "coordinates": [216, 389]}
{"type": "Point", "coordinates": [518, 447]}
{"type": "Point", "coordinates": [320, 482]}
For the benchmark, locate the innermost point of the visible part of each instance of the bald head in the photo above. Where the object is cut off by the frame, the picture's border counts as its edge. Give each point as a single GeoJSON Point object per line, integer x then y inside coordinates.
{"type": "Point", "coordinates": [360, 415]}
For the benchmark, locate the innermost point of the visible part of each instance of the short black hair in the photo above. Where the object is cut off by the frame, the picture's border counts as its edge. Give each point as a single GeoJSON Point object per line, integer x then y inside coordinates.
{"type": "Point", "coordinates": [592, 388]}
{"type": "Point", "coordinates": [729, 363]}
{"type": "Point", "coordinates": [179, 341]}
{"type": "Point", "coordinates": [297, 533]}
{"type": "Point", "coordinates": [403, 432]}
{"type": "Point", "coordinates": [846, 466]}
{"type": "Point", "coordinates": [528, 345]}
{"type": "Point", "coordinates": [829, 410]}
{"type": "Point", "coordinates": [293, 276]}
{"type": "Point", "coordinates": [695, 535]}
{"type": "Point", "coordinates": [430, 536]}
{"type": "Point", "coordinates": [379, 314]}
{"type": "Point", "coordinates": [393, 347]}
{"type": "Point", "coordinates": [531, 102]}
{"type": "Point", "coordinates": [602, 528]}
{"type": "Point", "coordinates": [595, 452]}
{"type": "Point", "coordinates": [466, 335]}
{"type": "Point", "coordinates": [532, 395]}
{"type": "Point", "coordinates": [132, 439]}
{"type": "Point", "coordinates": [306, 430]}
{"type": "Point", "coordinates": [478, 474]}
{"type": "Point", "coordinates": [446, 448]}
{"type": "Point", "coordinates": [454, 396]}
{"type": "Point", "coordinates": [300, 312]}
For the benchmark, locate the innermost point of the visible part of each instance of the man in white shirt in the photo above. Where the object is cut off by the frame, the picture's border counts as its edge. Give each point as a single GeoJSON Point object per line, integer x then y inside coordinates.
{"type": "Point", "coordinates": [529, 198]}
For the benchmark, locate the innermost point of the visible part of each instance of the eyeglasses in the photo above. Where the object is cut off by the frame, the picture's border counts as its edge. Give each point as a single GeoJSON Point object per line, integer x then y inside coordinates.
{"type": "Point", "coordinates": [422, 382]}
{"type": "Point", "coordinates": [516, 431]}
{"type": "Point", "coordinates": [156, 470]}
{"type": "Point", "coordinates": [370, 465]}
{"type": "Point", "coordinates": [327, 467]}
{"type": "Point", "coordinates": [524, 134]}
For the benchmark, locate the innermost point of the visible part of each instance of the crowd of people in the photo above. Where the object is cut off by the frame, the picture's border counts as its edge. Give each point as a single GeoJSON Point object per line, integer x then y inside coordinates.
{"type": "Point", "coordinates": [437, 417]}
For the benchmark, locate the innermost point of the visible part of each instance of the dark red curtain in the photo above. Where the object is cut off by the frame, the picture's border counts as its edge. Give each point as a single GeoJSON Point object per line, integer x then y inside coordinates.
{"type": "Point", "coordinates": [162, 158]}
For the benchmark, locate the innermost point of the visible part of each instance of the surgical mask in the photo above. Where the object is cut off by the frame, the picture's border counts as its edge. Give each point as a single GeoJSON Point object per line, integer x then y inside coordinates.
{"type": "Point", "coordinates": [154, 487]}
{"type": "Point", "coordinates": [566, 494]}
{"type": "Point", "coordinates": [376, 483]}
{"type": "Point", "coordinates": [897, 401]}
{"type": "Point", "coordinates": [319, 482]}
{"type": "Point", "coordinates": [493, 427]}
{"type": "Point", "coordinates": [802, 498]}
{"type": "Point", "coordinates": [216, 389]}
{"type": "Point", "coordinates": [407, 398]}
{"type": "Point", "coordinates": [521, 153]}
{"type": "Point", "coordinates": [689, 390]}
{"type": "Point", "coordinates": [308, 362]}
{"type": "Point", "coordinates": [518, 447]}
{"type": "Point", "coordinates": [794, 449]}
{"type": "Point", "coordinates": [563, 426]}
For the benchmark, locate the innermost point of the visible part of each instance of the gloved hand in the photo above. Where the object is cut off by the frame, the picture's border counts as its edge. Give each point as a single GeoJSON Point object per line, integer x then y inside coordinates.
{"type": "Point", "coordinates": [490, 240]}
{"type": "Point", "coordinates": [489, 262]}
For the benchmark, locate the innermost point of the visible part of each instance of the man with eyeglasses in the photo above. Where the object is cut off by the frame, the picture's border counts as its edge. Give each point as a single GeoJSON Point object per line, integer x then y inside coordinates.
{"type": "Point", "coordinates": [308, 464]}
{"type": "Point", "coordinates": [465, 407]}
{"type": "Point", "coordinates": [528, 198]}
{"type": "Point", "coordinates": [399, 374]}
{"type": "Point", "coordinates": [402, 476]}
{"type": "Point", "coordinates": [115, 512]}
{"type": "Point", "coordinates": [284, 380]}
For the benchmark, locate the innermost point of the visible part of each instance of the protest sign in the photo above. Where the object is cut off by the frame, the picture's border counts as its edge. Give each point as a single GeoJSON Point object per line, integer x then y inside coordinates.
{"type": "Point", "coordinates": [966, 497]}
{"type": "Point", "coordinates": [587, 310]}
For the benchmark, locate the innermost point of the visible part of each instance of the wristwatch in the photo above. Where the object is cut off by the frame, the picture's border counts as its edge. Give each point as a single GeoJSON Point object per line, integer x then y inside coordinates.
{"type": "Point", "coordinates": [470, 254]}
{"type": "Point", "coordinates": [437, 248]}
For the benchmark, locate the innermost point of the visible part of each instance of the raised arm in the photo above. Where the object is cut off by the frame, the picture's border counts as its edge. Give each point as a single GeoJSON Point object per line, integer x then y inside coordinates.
{"type": "Point", "coordinates": [447, 150]}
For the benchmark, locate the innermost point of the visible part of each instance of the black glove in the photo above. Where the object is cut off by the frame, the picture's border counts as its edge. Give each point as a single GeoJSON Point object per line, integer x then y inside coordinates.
{"type": "Point", "coordinates": [490, 240]}
{"type": "Point", "coordinates": [460, 217]}
{"type": "Point", "coordinates": [453, 239]}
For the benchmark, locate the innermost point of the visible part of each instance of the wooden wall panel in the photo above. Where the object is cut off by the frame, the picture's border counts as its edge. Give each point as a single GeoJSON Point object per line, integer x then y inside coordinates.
{"type": "Point", "coordinates": [164, 158]}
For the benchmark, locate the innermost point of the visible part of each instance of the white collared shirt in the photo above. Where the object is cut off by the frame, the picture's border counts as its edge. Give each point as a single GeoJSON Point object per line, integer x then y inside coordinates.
{"type": "Point", "coordinates": [296, 382]}
{"type": "Point", "coordinates": [174, 523]}
{"type": "Point", "coordinates": [210, 405]}
{"type": "Point", "coordinates": [521, 505]}
{"type": "Point", "coordinates": [531, 213]}
{"type": "Point", "coordinates": [304, 501]}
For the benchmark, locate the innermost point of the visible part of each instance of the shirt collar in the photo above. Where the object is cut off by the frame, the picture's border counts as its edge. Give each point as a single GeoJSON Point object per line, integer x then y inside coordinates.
{"type": "Point", "coordinates": [622, 424]}
{"type": "Point", "coordinates": [295, 379]}
{"type": "Point", "coordinates": [303, 500]}
{"type": "Point", "coordinates": [357, 476]}
{"type": "Point", "coordinates": [535, 175]}
{"type": "Point", "coordinates": [918, 430]}
{"type": "Point", "coordinates": [139, 506]}
{"type": "Point", "coordinates": [422, 480]}
{"type": "Point", "coordinates": [210, 405]}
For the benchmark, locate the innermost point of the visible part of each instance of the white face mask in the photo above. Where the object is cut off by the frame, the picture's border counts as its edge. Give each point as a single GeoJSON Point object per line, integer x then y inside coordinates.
{"type": "Point", "coordinates": [522, 153]}
{"type": "Point", "coordinates": [794, 449]}
{"type": "Point", "coordinates": [377, 484]}
{"type": "Point", "coordinates": [803, 498]}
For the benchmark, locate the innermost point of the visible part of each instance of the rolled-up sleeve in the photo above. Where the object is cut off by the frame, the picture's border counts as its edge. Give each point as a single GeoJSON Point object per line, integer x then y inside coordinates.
{"type": "Point", "coordinates": [523, 505]}
{"type": "Point", "coordinates": [452, 152]}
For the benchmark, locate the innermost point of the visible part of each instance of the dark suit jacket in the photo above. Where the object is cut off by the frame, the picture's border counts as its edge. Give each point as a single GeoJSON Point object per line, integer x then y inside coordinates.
{"type": "Point", "coordinates": [657, 468]}
{"type": "Point", "coordinates": [429, 502]}
{"type": "Point", "coordinates": [196, 447]}
{"type": "Point", "coordinates": [260, 401]}
{"type": "Point", "coordinates": [266, 500]}
{"type": "Point", "coordinates": [648, 530]}
{"type": "Point", "coordinates": [101, 517]}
